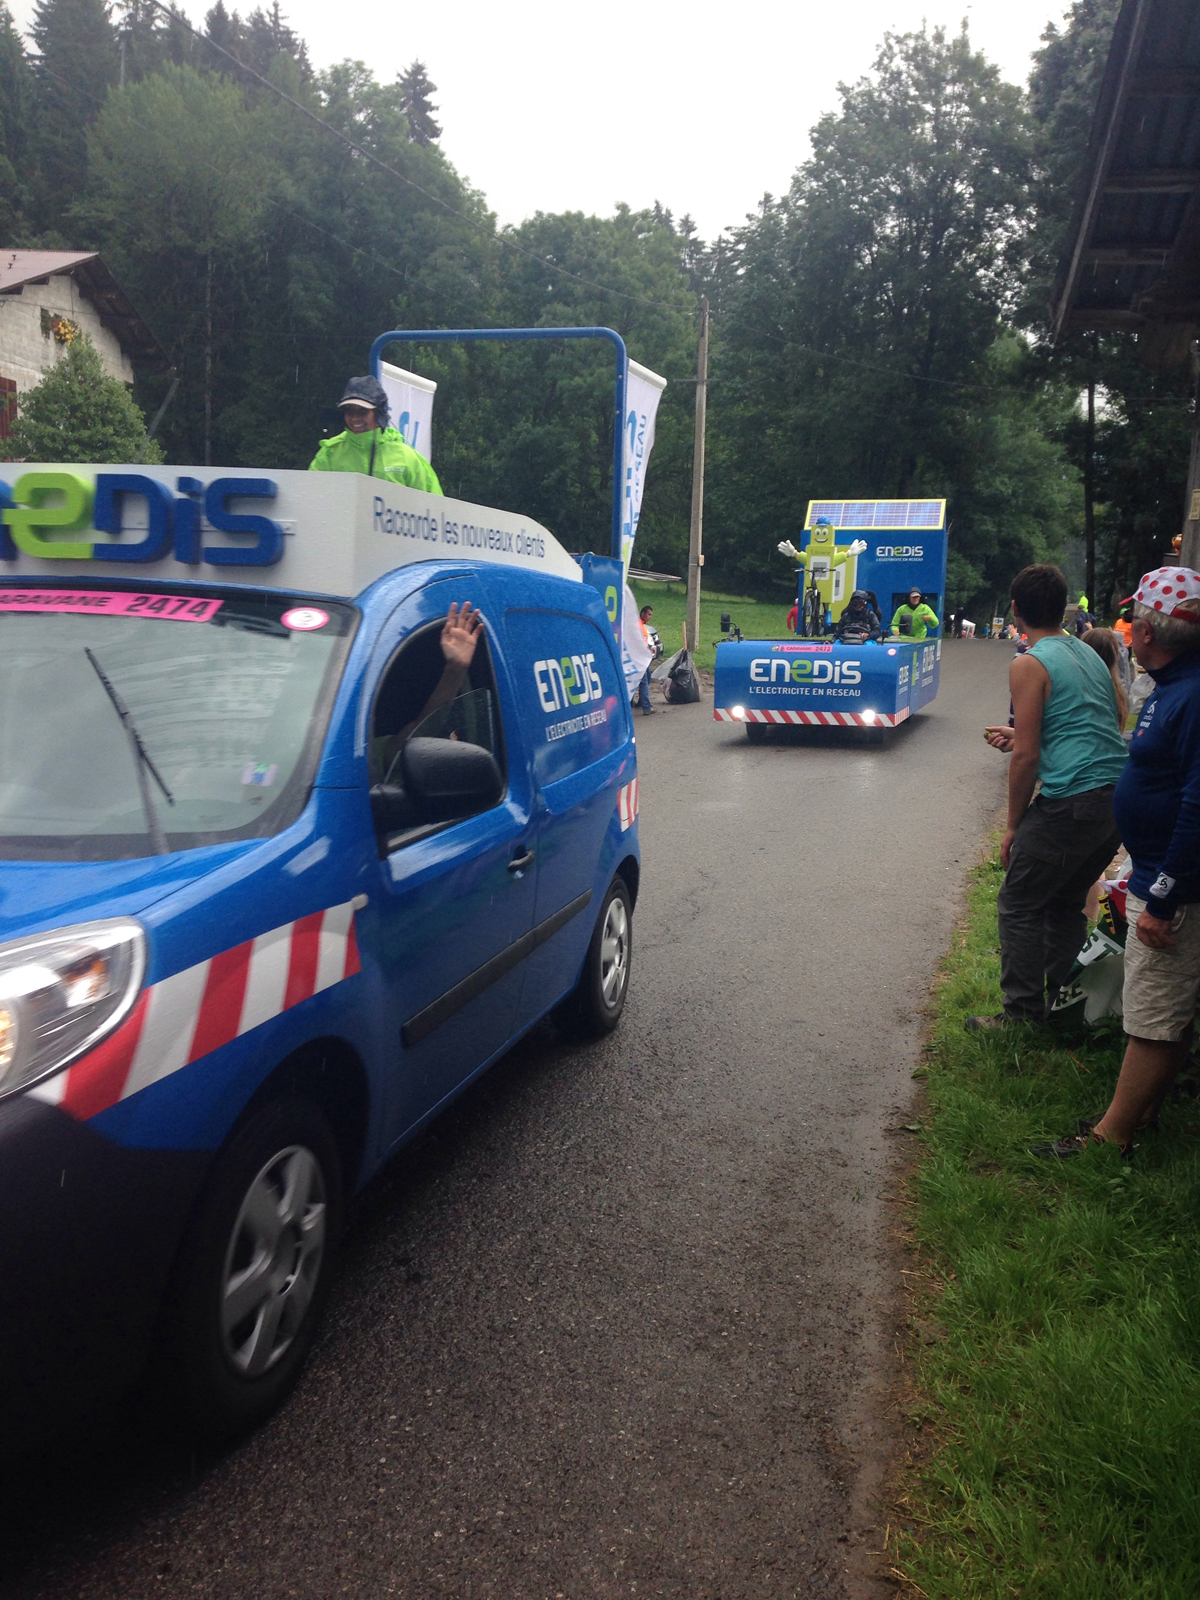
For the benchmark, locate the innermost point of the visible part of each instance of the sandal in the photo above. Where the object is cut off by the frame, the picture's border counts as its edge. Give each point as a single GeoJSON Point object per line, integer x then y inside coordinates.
{"type": "Point", "coordinates": [1076, 1143]}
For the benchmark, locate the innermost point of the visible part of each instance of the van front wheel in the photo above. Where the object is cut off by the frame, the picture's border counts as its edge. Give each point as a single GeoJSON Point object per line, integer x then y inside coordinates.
{"type": "Point", "coordinates": [594, 1007]}
{"type": "Point", "coordinates": [254, 1270]}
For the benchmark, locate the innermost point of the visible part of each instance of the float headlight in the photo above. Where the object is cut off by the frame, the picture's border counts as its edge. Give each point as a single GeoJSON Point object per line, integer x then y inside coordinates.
{"type": "Point", "coordinates": [868, 715]}
{"type": "Point", "coordinates": [61, 993]}
{"type": "Point", "coordinates": [739, 712]}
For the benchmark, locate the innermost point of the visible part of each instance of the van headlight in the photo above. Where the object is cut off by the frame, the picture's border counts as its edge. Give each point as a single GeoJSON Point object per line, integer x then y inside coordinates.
{"type": "Point", "coordinates": [61, 993]}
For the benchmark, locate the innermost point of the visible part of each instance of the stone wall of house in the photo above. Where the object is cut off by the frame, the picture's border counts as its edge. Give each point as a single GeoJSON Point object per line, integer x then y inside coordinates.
{"type": "Point", "coordinates": [26, 351]}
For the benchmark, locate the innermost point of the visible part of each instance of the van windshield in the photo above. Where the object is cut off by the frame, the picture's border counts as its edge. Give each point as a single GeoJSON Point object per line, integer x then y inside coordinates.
{"type": "Point", "coordinates": [228, 693]}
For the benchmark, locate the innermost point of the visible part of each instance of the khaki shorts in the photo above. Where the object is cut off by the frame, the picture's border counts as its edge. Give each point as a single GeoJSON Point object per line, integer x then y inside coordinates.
{"type": "Point", "coordinates": [1162, 986]}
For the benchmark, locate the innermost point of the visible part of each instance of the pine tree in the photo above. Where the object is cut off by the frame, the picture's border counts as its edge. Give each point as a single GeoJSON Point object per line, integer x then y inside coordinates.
{"type": "Point", "coordinates": [415, 90]}
{"type": "Point", "coordinates": [79, 413]}
{"type": "Point", "coordinates": [76, 63]}
{"type": "Point", "coordinates": [267, 35]}
{"type": "Point", "coordinates": [148, 38]}
{"type": "Point", "coordinates": [227, 32]}
{"type": "Point", "coordinates": [16, 106]}
{"type": "Point", "coordinates": [224, 28]}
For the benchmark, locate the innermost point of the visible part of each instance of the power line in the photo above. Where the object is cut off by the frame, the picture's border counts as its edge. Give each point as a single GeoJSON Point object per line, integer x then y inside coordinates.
{"type": "Point", "coordinates": [502, 239]}
{"type": "Point", "coordinates": [351, 144]}
{"type": "Point", "coordinates": [511, 244]}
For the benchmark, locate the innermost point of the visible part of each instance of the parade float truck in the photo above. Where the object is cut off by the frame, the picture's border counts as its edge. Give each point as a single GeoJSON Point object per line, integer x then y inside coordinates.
{"type": "Point", "coordinates": [273, 889]}
{"type": "Point", "coordinates": [887, 547]}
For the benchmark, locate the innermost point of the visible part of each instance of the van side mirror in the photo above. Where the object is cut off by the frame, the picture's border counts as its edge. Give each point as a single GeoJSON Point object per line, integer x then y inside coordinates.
{"type": "Point", "coordinates": [391, 809]}
{"type": "Point", "coordinates": [441, 780]}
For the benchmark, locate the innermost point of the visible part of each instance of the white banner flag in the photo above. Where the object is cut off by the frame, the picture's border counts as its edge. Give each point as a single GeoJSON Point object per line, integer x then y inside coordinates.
{"type": "Point", "coordinates": [643, 390]}
{"type": "Point", "coordinates": [410, 401]}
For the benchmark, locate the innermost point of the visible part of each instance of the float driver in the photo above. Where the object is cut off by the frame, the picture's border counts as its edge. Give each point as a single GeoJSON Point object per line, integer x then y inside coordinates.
{"type": "Point", "coordinates": [914, 618]}
{"type": "Point", "coordinates": [858, 622]}
{"type": "Point", "coordinates": [369, 445]}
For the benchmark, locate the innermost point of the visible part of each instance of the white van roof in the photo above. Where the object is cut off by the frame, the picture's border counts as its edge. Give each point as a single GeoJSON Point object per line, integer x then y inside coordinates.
{"type": "Point", "coordinates": [341, 531]}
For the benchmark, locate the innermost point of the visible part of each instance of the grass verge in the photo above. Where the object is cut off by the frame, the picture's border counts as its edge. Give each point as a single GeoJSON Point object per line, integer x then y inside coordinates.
{"type": "Point", "coordinates": [758, 619]}
{"type": "Point", "coordinates": [1059, 1382]}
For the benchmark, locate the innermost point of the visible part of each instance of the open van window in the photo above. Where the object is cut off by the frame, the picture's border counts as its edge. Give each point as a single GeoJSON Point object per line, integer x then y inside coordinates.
{"type": "Point", "coordinates": [407, 683]}
{"type": "Point", "coordinates": [229, 693]}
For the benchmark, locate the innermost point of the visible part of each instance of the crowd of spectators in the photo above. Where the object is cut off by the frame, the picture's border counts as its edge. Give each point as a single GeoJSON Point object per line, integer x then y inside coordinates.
{"type": "Point", "coordinates": [1080, 785]}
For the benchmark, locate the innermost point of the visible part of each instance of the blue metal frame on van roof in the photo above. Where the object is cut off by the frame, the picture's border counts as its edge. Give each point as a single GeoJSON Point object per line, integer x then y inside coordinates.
{"type": "Point", "coordinates": [442, 335]}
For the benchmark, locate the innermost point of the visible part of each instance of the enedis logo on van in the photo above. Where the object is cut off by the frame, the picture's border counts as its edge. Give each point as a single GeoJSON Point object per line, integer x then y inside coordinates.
{"type": "Point", "coordinates": [565, 682]}
{"type": "Point", "coordinates": [899, 552]}
{"type": "Point", "coordinates": [570, 681]}
{"type": "Point", "coordinates": [42, 506]}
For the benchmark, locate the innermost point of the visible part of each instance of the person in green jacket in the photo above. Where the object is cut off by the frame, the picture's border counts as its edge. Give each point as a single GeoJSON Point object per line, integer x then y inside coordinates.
{"type": "Point", "coordinates": [369, 445]}
{"type": "Point", "coordinates": [920, 617]}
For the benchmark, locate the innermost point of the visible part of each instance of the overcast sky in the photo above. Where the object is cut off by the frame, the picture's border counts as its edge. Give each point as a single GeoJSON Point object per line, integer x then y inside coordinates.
{"type": "Point", "coordinates": [548, 106]}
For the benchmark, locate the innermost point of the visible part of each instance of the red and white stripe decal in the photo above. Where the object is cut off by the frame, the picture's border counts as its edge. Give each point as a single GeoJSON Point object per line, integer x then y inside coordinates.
{"type": "Point", "coordinates": [822, 719]}
{"type": "Point", "coordinates": [193, 1012]}
{"type": "Point", "coordinates": [627, 805]}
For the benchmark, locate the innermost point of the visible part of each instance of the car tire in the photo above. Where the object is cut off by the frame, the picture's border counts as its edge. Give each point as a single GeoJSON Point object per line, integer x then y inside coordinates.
{"type": "Point", "coordinates": [594, 1006]}
{"type": "Point", "coordinates": [756, 732]}
{"type": "Point", "coordinates": [253, 1272]}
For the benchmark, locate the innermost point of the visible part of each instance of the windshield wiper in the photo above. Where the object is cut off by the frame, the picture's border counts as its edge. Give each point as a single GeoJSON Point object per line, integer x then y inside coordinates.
{"type": "Point", "coordinates": [141, 761]}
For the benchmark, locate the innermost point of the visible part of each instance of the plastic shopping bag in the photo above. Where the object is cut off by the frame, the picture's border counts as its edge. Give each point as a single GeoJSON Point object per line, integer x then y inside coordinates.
{"type": "Point", "coordinates": [1093, 988]}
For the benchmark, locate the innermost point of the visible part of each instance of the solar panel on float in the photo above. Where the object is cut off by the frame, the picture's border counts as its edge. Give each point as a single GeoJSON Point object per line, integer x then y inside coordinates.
{"type": "Point", "coordinates": [878, 513]}
{"type": "Point", "coordinates": [926, 513]}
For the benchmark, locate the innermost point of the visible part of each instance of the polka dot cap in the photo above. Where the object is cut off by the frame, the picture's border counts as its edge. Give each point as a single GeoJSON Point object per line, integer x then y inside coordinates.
{"type": "Point", "coordinates": [1175, 591]}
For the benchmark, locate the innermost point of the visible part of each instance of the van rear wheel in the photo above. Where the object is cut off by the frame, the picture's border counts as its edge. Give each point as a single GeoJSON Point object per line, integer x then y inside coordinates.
{"type": "Point", "coordinates": [595, 1005]}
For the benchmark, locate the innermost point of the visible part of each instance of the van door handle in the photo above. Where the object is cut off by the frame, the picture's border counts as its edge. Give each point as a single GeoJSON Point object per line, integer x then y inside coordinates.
{"type": "Point", "coordinates": [519, 863]}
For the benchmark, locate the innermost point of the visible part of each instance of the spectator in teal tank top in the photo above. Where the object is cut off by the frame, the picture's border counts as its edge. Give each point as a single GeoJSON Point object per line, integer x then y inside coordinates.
{"type": "Point", "coordinates": [1064, 738]}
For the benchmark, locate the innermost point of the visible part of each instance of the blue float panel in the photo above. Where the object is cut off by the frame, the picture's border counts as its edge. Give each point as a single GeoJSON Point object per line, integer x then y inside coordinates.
{"type": "Point", "coordinates": [820, 682]}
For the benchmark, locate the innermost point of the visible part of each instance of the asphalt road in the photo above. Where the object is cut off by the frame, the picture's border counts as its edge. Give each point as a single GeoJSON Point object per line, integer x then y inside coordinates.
{"type": "Point", "coordinates": [621, 1325]}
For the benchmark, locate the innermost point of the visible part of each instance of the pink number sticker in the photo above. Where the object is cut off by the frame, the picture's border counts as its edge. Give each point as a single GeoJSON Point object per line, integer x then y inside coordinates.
{"type": "Point", "coordinates": [304, 619]}
{"type": "Point", "coordinates": [111, 603]}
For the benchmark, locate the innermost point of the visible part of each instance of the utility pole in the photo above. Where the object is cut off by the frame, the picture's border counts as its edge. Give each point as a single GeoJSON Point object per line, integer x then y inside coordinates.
{"type": "Point", "coordinates": [696, 541]}
{"type": "Point", "coordinates": [1189, 553]}
{"type": "Point", "coordinates": [208, 361]}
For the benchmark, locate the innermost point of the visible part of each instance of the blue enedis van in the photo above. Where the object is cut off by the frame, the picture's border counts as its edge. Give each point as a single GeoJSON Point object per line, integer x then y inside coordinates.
{"type": "Point", "coordinates": [275, 885]}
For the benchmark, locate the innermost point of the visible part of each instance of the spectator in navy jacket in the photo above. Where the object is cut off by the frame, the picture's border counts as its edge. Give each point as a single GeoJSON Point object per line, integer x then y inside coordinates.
{"type": "Point", "coordinates": [1157, 808]}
